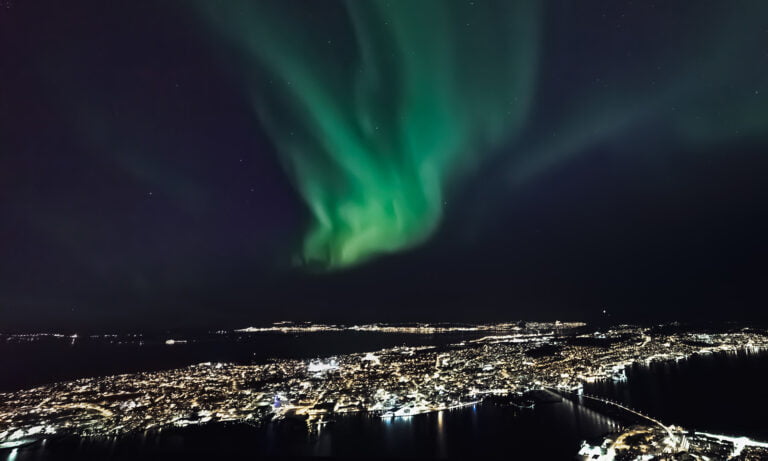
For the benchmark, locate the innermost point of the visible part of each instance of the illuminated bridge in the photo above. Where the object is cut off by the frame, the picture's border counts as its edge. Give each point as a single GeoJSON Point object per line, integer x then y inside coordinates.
{"type": "Point", "coordinates": [620, 406]}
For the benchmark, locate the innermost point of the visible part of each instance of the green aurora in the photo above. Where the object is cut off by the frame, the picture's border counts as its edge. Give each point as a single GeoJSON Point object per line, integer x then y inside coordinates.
{"type": "Point", "coordinates": [376, 106]}
{"type": "Point", "coordinates": [380, 108]}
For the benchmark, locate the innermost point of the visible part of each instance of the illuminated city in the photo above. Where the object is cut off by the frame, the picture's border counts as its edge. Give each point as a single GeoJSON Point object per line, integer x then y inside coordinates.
{"type": "Point", "coordinates": [401, 382]}
{"type": "Point", "coordinates": [396, 229]}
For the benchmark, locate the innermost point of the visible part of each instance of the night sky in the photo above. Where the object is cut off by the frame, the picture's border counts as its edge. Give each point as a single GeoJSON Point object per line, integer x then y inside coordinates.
{"type": "Point", "coordinates": [201, 163]}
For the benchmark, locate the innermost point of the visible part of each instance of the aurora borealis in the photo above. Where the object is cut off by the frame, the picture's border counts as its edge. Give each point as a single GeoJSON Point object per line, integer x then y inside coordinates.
{"type": "Point", "coordinates": [328, 159]}
{"type": "Point", "coordinates": [374, 115]}
{"type": "Point", "coordinates": [379, 109]}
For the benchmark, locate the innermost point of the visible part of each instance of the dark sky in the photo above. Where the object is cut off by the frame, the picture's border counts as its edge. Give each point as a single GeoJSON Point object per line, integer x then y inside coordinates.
{"type": "Point", "coordinates": [146, 178]}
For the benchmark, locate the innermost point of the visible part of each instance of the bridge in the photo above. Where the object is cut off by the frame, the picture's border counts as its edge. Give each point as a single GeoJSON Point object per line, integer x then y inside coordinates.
{"type": "Point", "coordinates": [618, 405]}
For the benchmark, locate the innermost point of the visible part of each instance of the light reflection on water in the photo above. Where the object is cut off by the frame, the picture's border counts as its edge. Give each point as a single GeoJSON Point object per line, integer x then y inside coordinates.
{"type": "Point", "coordinates": [702, 390]}
{"type": "Point", "coordinates": [705, 392]}
{"type": "Point", "coordinates": [551, 430]}
{"type": "Point", "coordinates": [487, 430]}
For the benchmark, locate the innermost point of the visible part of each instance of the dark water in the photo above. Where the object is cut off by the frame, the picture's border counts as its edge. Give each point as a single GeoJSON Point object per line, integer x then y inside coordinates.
{"type": "Point", "coordinates": [50, 359]}
{"type": "Point", "coordinates": [551, 431]}
{"type": "Point", "coordinates": [721, 393]}
{"type": "Point", "coordinates": [724, 393]}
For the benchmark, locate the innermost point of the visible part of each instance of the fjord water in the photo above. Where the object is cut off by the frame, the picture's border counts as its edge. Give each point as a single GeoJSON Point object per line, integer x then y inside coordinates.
{"type": "Point", "coordinates": [47, 360]}
{"type": "Point", "coordinates": [551, 431]}
{"type": "Point", "coordinates": [721, 393]}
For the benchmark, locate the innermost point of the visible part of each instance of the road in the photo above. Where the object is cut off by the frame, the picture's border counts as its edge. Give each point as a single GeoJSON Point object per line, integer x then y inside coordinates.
{"type": "Point", "coordinates": [619, 405]}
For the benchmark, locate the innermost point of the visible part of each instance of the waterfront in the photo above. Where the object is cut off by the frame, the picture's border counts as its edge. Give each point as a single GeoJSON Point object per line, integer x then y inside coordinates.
{"type": "Point", "coordinates": [551, 431]}
{"type": "Point", "coordinates": [721, 393]}
{"type": "Point", "coordinates": [48, 359]}
{"type": "Point", "coordinates": [705, 392]}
